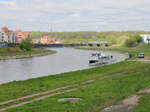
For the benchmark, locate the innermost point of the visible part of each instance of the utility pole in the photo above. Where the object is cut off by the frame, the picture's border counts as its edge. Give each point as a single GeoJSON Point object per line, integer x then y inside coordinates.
{"type": "Point", "coordinates": [51, 28]}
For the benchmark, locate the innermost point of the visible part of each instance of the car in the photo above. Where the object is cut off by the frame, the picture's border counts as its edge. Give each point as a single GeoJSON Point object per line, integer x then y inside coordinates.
{"type": "Point", "coordinates": [3, 45]}
{"type": "Point", "coordinates": [141, 55]}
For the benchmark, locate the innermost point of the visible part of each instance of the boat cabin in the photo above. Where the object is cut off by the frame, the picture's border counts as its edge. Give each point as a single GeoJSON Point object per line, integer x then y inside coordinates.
{"type": "Point", "coordinates": [98, 58]}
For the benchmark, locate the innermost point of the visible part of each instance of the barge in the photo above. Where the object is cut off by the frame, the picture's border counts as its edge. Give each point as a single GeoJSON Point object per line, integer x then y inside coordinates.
{"type": "Point", "coordinates": [99, 59]}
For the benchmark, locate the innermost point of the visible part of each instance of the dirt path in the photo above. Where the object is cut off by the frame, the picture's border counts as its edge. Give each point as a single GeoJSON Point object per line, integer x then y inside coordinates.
{"type": "Point", "coordinates": [141, 60]}
{"type": "Point", "coordinates": [36, 99]}
{"type": "Point", "coordinates": [128, 104]}
{"type": "Point", "coordinates": [144, 60]}
{"type": "Point", "coordinates": [42, 95]}
{"type": "Point", "coordinates": [46, 92]}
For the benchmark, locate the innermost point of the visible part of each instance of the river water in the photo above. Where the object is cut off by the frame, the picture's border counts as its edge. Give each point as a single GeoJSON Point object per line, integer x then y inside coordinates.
{"type": "Point", "coordinates": [65, 60]}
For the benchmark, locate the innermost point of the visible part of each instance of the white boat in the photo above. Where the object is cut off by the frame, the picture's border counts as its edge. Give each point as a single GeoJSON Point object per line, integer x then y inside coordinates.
{"type": "Point", "coordinates": [99, 59]}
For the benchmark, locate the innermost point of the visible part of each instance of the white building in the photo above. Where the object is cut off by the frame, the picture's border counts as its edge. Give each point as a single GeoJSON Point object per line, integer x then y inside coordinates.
{"type": "Point", "coordinates": [7, 35]}
{"type": "Point", "coordinates": [146, 38]}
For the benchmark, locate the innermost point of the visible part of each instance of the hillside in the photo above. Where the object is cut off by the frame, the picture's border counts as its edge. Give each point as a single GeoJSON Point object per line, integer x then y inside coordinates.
{"type": "Point", "coordinates": [113, 37]}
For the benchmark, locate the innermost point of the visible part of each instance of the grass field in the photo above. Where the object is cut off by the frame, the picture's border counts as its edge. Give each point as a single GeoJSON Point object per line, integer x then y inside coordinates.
{"type": "Point", "coordinates": [144, 104]}
{"type": "Point", "coordinates": [131, 76]}
{"type": "Point", "coordinates": [95, 96]}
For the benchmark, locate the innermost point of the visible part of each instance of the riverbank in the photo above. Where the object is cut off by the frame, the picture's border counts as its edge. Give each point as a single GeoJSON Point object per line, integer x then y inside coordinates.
{"type": "Point", "coordinates": [16, 53]}
{"type": "Point", "coordinates": [104, 86]}
{"type": "Point", "coordinates": [117, 82]}
{"type": "Point", "coordinates": [133, 51]}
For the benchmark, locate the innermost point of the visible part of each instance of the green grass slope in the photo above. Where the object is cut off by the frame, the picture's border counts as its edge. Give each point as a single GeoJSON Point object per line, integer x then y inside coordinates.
{"type": "Point", "coordinates": [99, 94]}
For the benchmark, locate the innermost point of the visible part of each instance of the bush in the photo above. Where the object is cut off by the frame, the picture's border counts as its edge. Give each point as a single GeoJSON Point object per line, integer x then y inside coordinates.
{"type": "Point", "coordinates": [26, 44]}
{"type": "Point", "coordinates": [130, 43]}
{"type": "Point", "coordinates": [134, 41]}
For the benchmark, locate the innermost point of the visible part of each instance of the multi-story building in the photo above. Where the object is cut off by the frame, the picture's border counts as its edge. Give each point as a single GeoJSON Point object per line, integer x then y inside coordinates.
{"type": "Point", "coordinates": [21, 35]}
{"type": "Point", "coordinates": [7, 35]}
{"type": "Point", "coordinates": [10, 36]}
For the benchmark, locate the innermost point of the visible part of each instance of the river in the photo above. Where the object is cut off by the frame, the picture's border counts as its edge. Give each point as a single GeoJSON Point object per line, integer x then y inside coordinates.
{"type": "Point", "coordinates": [65, 60]}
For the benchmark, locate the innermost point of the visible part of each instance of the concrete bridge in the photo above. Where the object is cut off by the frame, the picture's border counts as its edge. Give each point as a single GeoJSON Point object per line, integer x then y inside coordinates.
{"type": "Point", "coordinates": [57, 45]}
{"type": "Point", "coordinates": [49, 45]}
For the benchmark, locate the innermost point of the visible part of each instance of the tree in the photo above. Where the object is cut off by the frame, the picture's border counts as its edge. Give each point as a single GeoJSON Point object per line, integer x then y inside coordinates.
{"type": "Point", "coordinates": [138, 39]}
{"type": "Point", "coordinates": [26, 44]}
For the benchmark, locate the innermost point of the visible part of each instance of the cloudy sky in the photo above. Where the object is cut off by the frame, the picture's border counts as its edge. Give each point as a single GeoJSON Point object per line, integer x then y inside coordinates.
{"type": "Point", "coordinates": [75, 15]}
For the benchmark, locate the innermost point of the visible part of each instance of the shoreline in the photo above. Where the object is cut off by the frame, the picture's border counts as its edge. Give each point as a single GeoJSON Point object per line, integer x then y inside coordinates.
{"type": "Point", "coordinates": [27, 55]}
{"type": "Point", "coordinates": [131, 52]}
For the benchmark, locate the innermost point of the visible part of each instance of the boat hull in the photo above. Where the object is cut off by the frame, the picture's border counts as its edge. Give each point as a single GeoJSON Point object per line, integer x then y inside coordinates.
{"type": "Point", "coordinates": [97, 63]}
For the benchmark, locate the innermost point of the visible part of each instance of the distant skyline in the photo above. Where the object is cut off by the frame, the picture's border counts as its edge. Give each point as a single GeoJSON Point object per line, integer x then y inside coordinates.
{"type": "Point", "coordinates": [75, 15]}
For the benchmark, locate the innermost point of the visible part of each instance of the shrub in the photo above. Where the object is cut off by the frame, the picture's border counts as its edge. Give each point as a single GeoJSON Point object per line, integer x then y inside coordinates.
{"type": "Point", "coordinates": [26, 44]}
{"type": "Point", "coordinates": [132, 42]}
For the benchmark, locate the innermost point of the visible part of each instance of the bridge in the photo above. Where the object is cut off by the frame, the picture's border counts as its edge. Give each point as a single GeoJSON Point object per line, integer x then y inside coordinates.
{"type": "Point", "coordinates": [49, 45]}
{"type": "Point", "coordinates": [57, 45]}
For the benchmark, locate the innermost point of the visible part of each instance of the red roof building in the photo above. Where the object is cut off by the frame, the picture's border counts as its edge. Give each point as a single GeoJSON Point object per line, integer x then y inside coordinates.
{"type": "Point", "coordinates": [54, 40]}
{"type": "Point", "coordinates": [48, 40]}
{"type": "Point", "coordinates": [21, 35]}
{"type": "Point", "coordinates": [7, 35]}
{"type": "Point", "coordinates": [44, 40]}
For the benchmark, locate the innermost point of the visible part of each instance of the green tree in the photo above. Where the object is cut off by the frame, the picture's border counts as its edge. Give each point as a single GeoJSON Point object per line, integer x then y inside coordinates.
{"type": "Point", "coordinates": [26, 44]}
{"type": "Point", "coordinates": [138, 38]}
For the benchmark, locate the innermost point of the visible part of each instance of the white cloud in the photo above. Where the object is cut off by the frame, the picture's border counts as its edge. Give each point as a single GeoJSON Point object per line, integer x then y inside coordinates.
{"type": "Point", "coordinates": [75, 14]}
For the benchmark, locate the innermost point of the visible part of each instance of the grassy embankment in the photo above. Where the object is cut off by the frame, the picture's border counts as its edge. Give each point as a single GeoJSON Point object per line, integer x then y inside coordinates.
{"type": "Point", "coordinates": [133, 51]}
{"type": "Point", "coordinates": [95, 96]}
{"type": "Point", "coordinates": [144, 102]}
{"type": "Point", "coordinates": [8, 53]}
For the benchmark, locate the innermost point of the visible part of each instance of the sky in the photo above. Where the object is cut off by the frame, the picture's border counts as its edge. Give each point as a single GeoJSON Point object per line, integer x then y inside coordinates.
{"type": "Point", "coordinates": [75, 15]}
